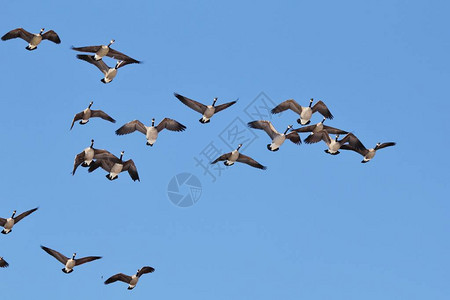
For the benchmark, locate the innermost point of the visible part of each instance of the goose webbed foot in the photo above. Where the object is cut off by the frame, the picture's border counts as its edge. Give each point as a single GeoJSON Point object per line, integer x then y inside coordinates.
{"type": "Point", "coordinates": [148, 144]}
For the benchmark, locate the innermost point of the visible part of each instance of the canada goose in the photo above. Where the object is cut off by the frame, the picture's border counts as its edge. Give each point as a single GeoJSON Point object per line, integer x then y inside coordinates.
{"type": "Point", "coordinates": [114, 166]}
{"type": "Point", "coordinates": [8, 224]}
{"type": "Point", "coordinates": [131, 280]}
{"type": "Point", "coordinates": [33, 39]}
{"type": "Point", "coordinates": [106, 50]}
{"type": "Point", "coordinates": [317, 128]}
{"type": "Point", "coordinates": [69, 263]}
{"type": "Point", "coordinates": [277, 138]}
{"type": "Point", "coordinates": [304, 112]}
{"type": "Point", "coordinates": [335, 145]}
{"type": "Point", "coordinates": [151, 132]}
{"type": "Point", "coordinates": [3, 263]}
{"type": "Point", "coordinates": [368, 153]}
{"type": "Point", "coordinates": [207, 111]}
{"type": "Point", "coordinates": [90, 113]}
{"type": "Point", "coordinates": [233, 156]}
{"type": "Point", "coordinates": [86, 157]}
{"type": "Point", "coordinates": [109, 73]}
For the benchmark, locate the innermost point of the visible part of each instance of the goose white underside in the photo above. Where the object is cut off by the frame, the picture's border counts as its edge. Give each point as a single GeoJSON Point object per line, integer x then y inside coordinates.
{"type": "Point", "coordinates": [229, 163]}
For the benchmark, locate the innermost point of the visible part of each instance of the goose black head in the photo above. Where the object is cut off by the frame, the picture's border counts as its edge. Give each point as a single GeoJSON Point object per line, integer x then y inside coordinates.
{"type": "Point", "coordinates": [337, 136]}
{"type": "Point", "coordinates": [214, 101]}
{"type": "Point", "coordinates": [377, 145]}
{"type": "Point", "coordinates": [13, 214]}
{"type": "Point", "coordinates": [90, 104]}
{"type": "Point", "coordinates": [137, 272]}
{"type": "Point", "coordinates": [73, 255]}
{"type": "Point", "coordinates": [323, 120]}
{"type": "Point", "coordinates": [239, 146]}
{"type": "Point", "coordinates": [287, 129]}
{"type": "Point", "coordinates": [121, 155]}
{"type": "Point", "coordinates": [111, 42]}
{"type": "Point", "coordinates": [153, 122]}
{"type": "Point", "coordinates": [92, 143]}
{"type": "Point", "coordinates": [311, 101]}
{"type": "Point", "coordinates": [42, 31]}
{"type": "Point", "coordinates": [118, 63]}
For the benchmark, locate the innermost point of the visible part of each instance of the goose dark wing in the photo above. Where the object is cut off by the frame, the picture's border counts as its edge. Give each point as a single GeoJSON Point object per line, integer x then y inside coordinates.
{"type": "Point", "coordinates": [131, 168]}
{"type": "Point", "coordinates": [309, 128]}
{"type": "Point", "coordinates": [98, 63]}
{"type": "Point", "coordinates": [101, 114]}
{"type": "Point", "coordinates": [79, 159]}
{"type": "Point", "coordinates": [223, 106]}
{"type": "Point", "coordinates": [24, 214]}
{"type": "Point", "coordinates": [3, 263]}
{"type": "Point", "coordinates": [145, 270]}
{"type": "Point", "coordinates": [92, 49]}
{"type": "Point", "coordinates": [222, 157]}
{"type": "Point", "coordinates": [264, 125]}
{"type": "Point", "coordinates": [77, 117]}
{"type": "Point", "coordinates": [51, 36]}
{"type": "Point", "coordinates": [322, 109]}
{"type": "Point", "coordinates": [363, 152]}
{"type": "Point", "coordinates": [120, 56]}
{"type": "Point", "coordinates": [288, 104]}
{"type": "Point", "coordinates": [333, 130]}
{"type": "Point", "coordinates": [197, 106]}
{"type": "Point", "coordinates": [104, 163]}
{"type": "Point", "coordinates": [86, 259]}
{"type": "Point", "coordinates": [170, 124]}
{"type": "Point", "coordinates": [384, 145]}
{"type": "Point", "coordinates": [61, 258]}
{"type": "Point", "coordinates": [132, 127]}
{"type": "Point", "coordinates": [250, 161]}
{"type": "Point", "coordinates": [118, 277]}
{"type": "Point", "coordinates": [99, 152]}
{"type": "Point", "coordinates": [19, 32]}
{"type": "Point", "coordinates": [353, 141]}
{"type": "Point", "coordinates": [294, 137]}
{"type": "Point", "coordinates": [317, 137]}
{"type": "Point", "coordinates": [2, 222]}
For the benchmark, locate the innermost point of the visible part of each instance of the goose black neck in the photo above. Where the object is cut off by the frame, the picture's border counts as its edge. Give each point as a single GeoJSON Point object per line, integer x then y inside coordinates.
{"type": "Point", "coordinates": [287, 129]}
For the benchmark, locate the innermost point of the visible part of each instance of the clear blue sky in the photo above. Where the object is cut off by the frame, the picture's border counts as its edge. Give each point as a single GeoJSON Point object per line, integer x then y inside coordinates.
{"type": "Point", "coordinates": [313, 226]}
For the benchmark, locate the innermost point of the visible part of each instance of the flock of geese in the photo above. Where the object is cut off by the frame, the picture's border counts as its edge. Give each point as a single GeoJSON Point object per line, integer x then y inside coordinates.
{"type": "Point", "coordinates": [93, 158]}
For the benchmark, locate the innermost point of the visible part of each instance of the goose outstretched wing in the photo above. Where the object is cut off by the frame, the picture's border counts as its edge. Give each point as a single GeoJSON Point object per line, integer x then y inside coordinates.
{"type": "Point", "coordinates": [170, 124]}
{"type": "Point", "coordinates": [18, 33]}
{"type": "Point", "coordinates": [266, 126]}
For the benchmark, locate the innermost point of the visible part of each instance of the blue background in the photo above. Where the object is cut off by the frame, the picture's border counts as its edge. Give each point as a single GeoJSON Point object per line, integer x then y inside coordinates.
{"type": "Point", "coordinates": [313, 226]}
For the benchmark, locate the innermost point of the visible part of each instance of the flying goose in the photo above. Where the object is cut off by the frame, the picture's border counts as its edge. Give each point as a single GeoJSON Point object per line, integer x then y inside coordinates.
{"type": "Point", "coordinates": [106, 50]}
{"type": "Point", "coordinates": [9, 223]}
{"type": "Point", "coordinates": [131, 280]}
{"type": "Point", "coordinates": [3, 263]}
{"type": "Point", "coordinates": [207, 111]}
{"type": "Point", "coordinates": [86, 157]}
{"type": "Point", "coordinates": [277, 138]}
{"type": "Point", "coordinates": [109, 73]}
{"type": "Point", "coordinates": [368, 153]}
{"type": "Point", "coordinates": [151, 132]}
{"type": "Point", "coordinates": [90, 113]}
{"type": "Point", "coordinates": [33, 39]}
{"type": "Point", "coordinates": [114, 166]}
{"type": "Point", "coordinates": [335, 145]}
{"type": "Point", "coordinates": [304, 112]}
{"type": "Point", "coordinates": [317, 128]}
{"type": "Point", "coordinates": [233, 156]}
{"type": "Point", "coordinates": [69, 263]}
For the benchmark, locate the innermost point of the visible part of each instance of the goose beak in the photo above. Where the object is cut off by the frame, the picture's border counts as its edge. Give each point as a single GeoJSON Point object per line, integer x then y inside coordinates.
{"type": "Point", "coordinates": [121, 153]}
{"type": "Point", "coordinates": [112, 41]}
